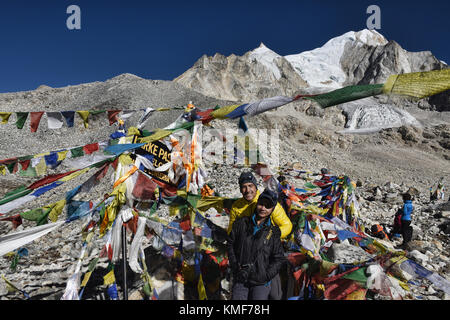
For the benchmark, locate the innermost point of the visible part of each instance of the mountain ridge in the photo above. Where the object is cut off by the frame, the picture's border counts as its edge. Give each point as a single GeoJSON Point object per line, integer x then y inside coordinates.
{"type": "Point", "coordinates": [330, 66]}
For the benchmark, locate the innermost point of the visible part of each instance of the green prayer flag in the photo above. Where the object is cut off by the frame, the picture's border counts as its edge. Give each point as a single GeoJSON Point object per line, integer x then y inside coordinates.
{"type": "Point", "coordinates": [92, 264]}
{"type": "Point", "coordinates": [347, 94]}
{"type": "Point", "coordinates": [15, 191]}
{"type": "Point", "coordinates": [21, 118]}
{"type": "Point", "coordinates": [102, 211]}
{"type": "Point", "coordinates": [15, 194]}
{"type": "Point", "coordinates": [30, 172]}
{"type": "Point", "coordinates": [95, 112]}
{"type": "Point", "coordinates": [358, 276]}
{"type": "Point", "coordinates": [14, 262]}
{"type": "Point", "coordinates": [11, 166]}
{"type": "Point", "coordinates": [309, 185]}
{"type": "Point", "coordinates": [77, 152]}
{"type": "Point", "coordinates": [39, 215]}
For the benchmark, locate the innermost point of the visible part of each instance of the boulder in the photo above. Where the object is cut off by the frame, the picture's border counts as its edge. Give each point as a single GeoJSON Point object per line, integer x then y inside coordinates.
{"type": "Point", "coordinates": [344, 252]}
{"type": "Point", "coordinates": [409, 133]}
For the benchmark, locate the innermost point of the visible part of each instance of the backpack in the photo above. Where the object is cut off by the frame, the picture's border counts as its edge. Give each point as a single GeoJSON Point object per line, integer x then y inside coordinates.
{"type": "Point", "coordinates": [398, 219]}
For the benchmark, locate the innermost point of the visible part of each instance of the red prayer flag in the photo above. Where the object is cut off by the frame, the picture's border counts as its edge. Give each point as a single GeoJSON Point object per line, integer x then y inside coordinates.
{"type": "Point", "coordinates": [8, 161]}
{"type": "Point", "coordinates": [49, 179]}
{"type": "Point", "coordinates": [206, 116]}
{"type": "Point", "coordinates": [112, 116]}
{"type": "Point", "coordinates": [35, 119]}
{"type": "Point", "coordinates": [340, 289]}
{"type": "Point", "coordinates": [25, 164]}
{"type": "Point", "coordinates": [144, 189]}
{"type": "Point", "coordinates": [185, 225]}
{"type": "Point", "coordinates": [16, 220]}
{"type": "Point", "coordinates": [132, 224]}
{"type": "Point", "coordinates": [90, 148]}
{"type": "Point", "coordinates": [16, 167]}
{"type": "Point", "coordinates": [114, 163]}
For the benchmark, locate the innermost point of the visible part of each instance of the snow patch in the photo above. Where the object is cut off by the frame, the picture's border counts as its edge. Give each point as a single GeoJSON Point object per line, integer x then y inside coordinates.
{"type": "Point", "coordinates": [368, 116]}
{"type": "Point", "coordinates": [321, 67]}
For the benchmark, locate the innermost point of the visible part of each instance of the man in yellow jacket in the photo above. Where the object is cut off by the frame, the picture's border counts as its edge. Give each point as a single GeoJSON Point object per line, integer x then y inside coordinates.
{"type": "Point", "coordinates": [246, 205]}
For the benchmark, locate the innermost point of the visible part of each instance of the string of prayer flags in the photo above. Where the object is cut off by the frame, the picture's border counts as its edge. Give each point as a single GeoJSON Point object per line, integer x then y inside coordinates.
{"type": "Point", "coordinates": [22, 195]}
{"type": "Point", "coordinates": [417, 85]}
{"type": "Point", "coordinates": [36, 165]}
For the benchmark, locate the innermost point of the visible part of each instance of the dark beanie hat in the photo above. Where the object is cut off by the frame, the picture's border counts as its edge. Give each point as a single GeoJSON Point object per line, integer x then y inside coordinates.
{"type": "Point", "coordinates": [247, 177]}
{"type": "Point", "coordinates": [269, 195]}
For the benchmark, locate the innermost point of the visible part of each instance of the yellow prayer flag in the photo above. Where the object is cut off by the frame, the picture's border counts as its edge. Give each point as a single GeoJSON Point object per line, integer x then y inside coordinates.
{"type": "Point", "coordinates": [2, 170]}
{"type": "Point", "coordinates": [188, 272]}
{"type": "Point", "coordinates": [113, 209]}
{"type": "Point", "coordinates": [222, 112]}
{"type": "Point", "coordinates": [133, 131]}
{"type": "Point", "coordinates": [125, 160]}
{"type": "Point", "coordinates": [10, 286]}
{"type": "Point", "coordinates": [359, 294]}
{"type": "Point", "coordinates": [174, 210]}
{"type": "Point", "coordinates": [109, 278]}
{"type": "Point", "coordinates": [57, 209]}
{"type": "Point", "coordinates": [201, 289]}
{"type": "Point", "coordinates": [158, 135]}
{"type": "Point", "coordinates": [41, 154]}
{"type": "Point", "coordinates": [205, 203]}
{"type": "Point", "coordinates": [41, 167]}
{"type": "Point", "coordinates": [86, 278]}
{"type": "Point", "coordinates": [418, 84]}
{"type": "Point", "coordinates": [403, 285]}
{"type": "Point", "coordinates": [74, 175]}
{"type": "Point", "coordinates": [84, 115]}
{"type": "Point", "coordinates": [5, 116]}
{"type": "Point", "coordinates": [62, 155]}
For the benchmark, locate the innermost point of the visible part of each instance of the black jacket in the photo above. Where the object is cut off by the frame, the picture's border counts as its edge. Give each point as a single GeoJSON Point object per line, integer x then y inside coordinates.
{"type": "Point", "coordinates": [263, 251]}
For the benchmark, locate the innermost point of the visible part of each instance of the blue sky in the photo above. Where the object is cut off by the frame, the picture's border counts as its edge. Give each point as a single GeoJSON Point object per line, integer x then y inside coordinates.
{"type": "Point", "coordinates": [162, 39]}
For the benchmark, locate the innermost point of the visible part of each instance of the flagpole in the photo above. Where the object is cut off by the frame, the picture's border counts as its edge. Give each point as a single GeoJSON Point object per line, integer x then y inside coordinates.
{"type": "Point", "coordinates": [124, 262]}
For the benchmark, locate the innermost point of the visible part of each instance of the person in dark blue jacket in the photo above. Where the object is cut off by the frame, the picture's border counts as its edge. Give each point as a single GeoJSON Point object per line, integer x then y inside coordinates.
{"type": "Point", "coordinates": [407, 209]}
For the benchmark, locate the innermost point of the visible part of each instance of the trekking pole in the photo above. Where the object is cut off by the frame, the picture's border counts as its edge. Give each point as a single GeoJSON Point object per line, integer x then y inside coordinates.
{"type": "Point", "coordinates": [124, 262]}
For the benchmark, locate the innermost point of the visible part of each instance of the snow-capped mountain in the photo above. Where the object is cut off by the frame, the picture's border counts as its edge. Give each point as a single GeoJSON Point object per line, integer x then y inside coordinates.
{"type": "Point", "coordinates": [365, 56]}
{"type": "Point", "coordinates": [257, 74]}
